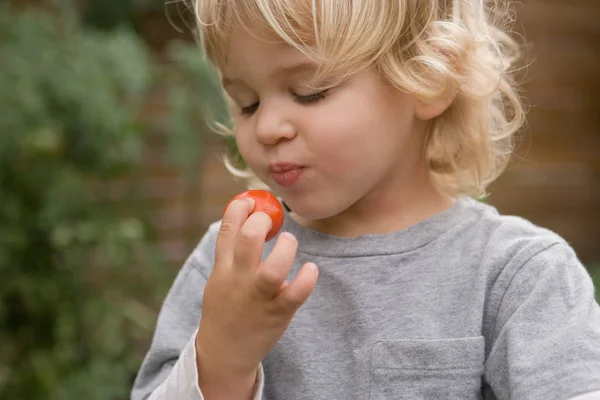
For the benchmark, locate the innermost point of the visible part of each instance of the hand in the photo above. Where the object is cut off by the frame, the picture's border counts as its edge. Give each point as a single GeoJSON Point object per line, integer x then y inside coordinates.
{"type": "Point", "coordinates": [247, 304]}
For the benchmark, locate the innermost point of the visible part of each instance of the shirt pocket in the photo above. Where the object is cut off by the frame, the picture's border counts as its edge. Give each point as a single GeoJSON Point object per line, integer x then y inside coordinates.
{"type": "Point", "coordinates": [428, 369]}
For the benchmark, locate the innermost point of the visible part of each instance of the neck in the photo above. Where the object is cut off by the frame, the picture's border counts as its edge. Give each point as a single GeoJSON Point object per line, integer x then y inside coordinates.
{"type": "Point", "coordinates": [387, 209]}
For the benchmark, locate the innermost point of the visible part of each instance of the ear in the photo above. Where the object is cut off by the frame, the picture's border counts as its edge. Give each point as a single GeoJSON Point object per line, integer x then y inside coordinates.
{"type": "Point", "coordinates": [429, 109]}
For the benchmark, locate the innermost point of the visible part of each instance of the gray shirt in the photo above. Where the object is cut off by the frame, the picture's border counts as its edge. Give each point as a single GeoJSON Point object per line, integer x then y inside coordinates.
{"type": "Point", "coordinates": [467, 304]}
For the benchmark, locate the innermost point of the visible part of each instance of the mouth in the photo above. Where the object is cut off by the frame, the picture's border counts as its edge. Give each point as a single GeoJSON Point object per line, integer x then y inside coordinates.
{"type": "Point", "coordinates": [286, 174]}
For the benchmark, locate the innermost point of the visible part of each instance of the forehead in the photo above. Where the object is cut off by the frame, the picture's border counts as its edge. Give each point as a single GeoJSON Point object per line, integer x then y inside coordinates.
{"type": "Point", "coordinates": [247, 54]}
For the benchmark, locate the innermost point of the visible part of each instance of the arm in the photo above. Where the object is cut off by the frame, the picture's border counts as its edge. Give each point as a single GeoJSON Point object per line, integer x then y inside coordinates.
{"type": "Point", "coordinates": [240, 306]}
{"type": "Point", "coordinates": [177, 323]}
{"type": "Point", "coordinates": [169, 369]}
{"type": "Point", "coordinates": [546, 338]}
{"type": "Point", "coordinates": [182, 382]}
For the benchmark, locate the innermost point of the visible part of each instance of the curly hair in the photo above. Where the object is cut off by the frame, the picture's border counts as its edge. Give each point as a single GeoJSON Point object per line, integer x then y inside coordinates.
{"type": "Point", "coordinates": [431, 48]}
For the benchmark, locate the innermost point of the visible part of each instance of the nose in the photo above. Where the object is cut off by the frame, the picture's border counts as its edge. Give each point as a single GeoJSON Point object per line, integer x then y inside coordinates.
{"type": "Point", "coordinates": [272, 124]}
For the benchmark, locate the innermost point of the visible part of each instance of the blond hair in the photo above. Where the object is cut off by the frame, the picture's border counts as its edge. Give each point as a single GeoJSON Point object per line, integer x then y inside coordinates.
{"type": "Point", "coordinates": [432, 48]}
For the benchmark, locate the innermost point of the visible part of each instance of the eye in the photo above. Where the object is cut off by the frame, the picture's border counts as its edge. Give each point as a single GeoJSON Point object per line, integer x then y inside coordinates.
{"type": "Point", "coordinates": [251, 109]}
{"type": "Point", "coordinates": [311, 98]}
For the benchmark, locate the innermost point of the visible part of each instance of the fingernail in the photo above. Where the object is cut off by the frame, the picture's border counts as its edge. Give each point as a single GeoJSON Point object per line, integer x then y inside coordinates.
{"type": "Point", "coordinates": [287, 235]}
{"type": "Point", "coordinates": [312, 267]}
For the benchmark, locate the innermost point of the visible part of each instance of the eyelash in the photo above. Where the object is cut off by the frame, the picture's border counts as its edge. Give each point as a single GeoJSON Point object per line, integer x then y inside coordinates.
{"type": "Point", "coordinates": [311, 98]}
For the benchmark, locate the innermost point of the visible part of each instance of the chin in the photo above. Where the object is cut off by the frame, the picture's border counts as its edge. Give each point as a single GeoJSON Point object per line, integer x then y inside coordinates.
{"type": "Point", "coordinates": [313, 212]}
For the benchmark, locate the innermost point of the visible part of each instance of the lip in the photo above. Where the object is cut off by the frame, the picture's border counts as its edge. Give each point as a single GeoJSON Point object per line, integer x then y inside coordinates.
{"type": "Point", "coordinates": [286, 174]}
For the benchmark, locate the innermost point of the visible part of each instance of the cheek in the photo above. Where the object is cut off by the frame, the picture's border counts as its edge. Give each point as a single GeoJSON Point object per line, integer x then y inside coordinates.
{"type": "Point", "coordinates": [346, 133]}
{"type": "Point", "coordinates": [243, 139]}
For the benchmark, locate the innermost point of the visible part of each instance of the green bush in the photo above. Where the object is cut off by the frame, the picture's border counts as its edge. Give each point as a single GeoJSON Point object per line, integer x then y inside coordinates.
{"type": "Point", "coordinates": [594, 270]}
{"type": "Point", "coordinates": [81, 274]}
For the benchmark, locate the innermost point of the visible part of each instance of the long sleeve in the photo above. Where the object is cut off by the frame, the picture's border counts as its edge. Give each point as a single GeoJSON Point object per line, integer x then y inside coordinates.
{"type": "Point", "coordinates": [169, 368]}
{"type": "Point", "coordinates": [182, 382]}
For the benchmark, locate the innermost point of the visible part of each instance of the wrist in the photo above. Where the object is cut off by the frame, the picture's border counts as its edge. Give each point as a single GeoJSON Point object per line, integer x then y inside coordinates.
{"type": "Point", "coordinates": [220, 378]}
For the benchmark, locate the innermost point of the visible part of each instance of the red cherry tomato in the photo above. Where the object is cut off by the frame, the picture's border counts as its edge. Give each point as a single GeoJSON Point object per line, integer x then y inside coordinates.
{"type": "Point", "coordinates": [264, 201]}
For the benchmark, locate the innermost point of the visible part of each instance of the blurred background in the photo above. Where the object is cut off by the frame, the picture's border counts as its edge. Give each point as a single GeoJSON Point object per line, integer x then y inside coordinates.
{"type": "Point", "coordinates": [109, 175]}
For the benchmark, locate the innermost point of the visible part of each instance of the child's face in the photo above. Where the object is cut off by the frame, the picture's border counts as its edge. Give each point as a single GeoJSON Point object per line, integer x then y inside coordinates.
{"type": "Point", "coordinates": [354, 149]}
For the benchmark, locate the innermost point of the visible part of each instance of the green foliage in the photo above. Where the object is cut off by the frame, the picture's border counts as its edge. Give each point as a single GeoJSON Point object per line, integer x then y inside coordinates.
{"type": "Point", "coordinates": [193, 86]}
{"type": "Point", "coordinates": [594, 271]}
{"type": "Point", "coordinates": [81, 274]}
{"type": "Point", "coordinates": [109, 14]}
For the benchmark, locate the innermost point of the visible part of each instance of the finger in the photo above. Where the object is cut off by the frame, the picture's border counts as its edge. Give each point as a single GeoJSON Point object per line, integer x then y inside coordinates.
{"type": "Point", "coordinates": [272, 273]}
{"type": "Point", "coordinates": [235, 215]}
{"type": "Point", "coordinates": [251, 240]}
{"type": "Point", "coordinates": [292, 296]}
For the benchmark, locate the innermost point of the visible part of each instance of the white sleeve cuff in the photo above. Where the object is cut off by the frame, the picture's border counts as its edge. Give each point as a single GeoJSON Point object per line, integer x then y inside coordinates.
{"type": "Point", "coordinates": [182, 382]}
{"type": "Point", "coordinates": [588, 396]}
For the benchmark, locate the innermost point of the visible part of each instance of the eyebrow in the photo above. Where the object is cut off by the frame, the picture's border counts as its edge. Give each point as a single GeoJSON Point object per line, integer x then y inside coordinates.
{"type": "Point", "coordinates": [280, 70]}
